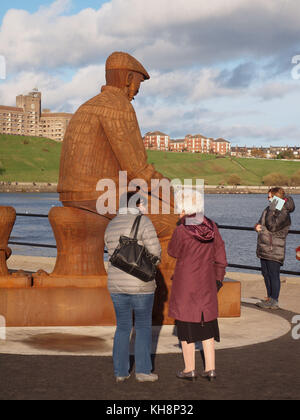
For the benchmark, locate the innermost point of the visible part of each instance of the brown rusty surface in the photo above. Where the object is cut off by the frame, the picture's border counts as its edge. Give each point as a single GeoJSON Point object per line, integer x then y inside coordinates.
{"type": "Point", "coordinates": [81, 306]}
{"type": "Point", "coordinates": [56, 307]}
{"type": "Point", "coordinates": [7, 221]}
{"type": "Point", "coordinates": [229, 299]}
{"type": "Point", "coordinates": [102, 139]}
{"type": "Point", "coordinates": [19, 279]}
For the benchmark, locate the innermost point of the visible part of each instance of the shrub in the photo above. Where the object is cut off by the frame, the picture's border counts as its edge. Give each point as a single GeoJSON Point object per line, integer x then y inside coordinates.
{"type": "Point", "coordinates": [295, 179]}
{"type": "Point", "coordinates": [234, 180]}
{"type": "Point", "coordinates": [275, 178]}
{"type": "Point", "coordinates": [2, 169]}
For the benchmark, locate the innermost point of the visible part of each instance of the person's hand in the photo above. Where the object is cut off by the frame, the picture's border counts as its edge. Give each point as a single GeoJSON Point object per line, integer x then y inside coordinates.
{"type": "Point", "coordinates": [258, 228]}
{"type": "Point", "coordinates": [273, 205]}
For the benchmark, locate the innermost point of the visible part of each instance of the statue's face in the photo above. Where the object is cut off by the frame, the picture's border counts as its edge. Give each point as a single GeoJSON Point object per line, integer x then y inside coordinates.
{"type": "Point", "coordinates": [135, 83]}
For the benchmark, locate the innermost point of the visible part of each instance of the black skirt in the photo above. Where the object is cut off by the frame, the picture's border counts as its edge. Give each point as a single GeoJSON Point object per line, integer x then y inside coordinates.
{"type": "Point", "coordinates": [191, 332]}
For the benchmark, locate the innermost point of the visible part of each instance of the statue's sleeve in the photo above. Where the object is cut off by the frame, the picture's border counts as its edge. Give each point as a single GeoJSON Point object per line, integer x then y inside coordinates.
{"type": "Point", "coordinates": [124, 136]}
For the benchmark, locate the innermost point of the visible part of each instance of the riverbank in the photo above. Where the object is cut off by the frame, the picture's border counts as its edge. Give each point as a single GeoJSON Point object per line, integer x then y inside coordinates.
{"type": "Point", "coordinates": [40, 187]}
{"type": "Point", "coordinates": [245, 189]}
{"type": "Point", "coordinates": [27, 187]}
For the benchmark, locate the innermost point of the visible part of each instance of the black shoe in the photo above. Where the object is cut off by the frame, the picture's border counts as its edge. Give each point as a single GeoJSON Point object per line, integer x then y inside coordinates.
{"type": "Point", "coordinates": [210, 375]}
{"type": "Point", "coordinates": [189, 376]}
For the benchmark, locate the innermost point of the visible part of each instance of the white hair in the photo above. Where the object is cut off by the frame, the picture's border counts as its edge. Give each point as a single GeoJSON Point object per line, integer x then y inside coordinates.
{"type": "Point", "coordinates": [189, 200]}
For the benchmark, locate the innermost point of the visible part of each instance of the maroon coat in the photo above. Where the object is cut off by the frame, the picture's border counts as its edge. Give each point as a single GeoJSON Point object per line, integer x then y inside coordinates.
{"type": "Point", "coordinates": [201, 261]}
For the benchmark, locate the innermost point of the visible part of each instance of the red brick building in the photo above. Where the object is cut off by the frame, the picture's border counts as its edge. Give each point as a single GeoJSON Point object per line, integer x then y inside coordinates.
{"type": "Point", "coordinates": [198, 143]}
{"type": "Point", "coordinates": [221, 146]}
{"type": "Point", "coordinates": [177, 145]}
{"type": "Point", "coordinates": [156, 141]}
{"type": "Point", "coordinates": [191, 143]}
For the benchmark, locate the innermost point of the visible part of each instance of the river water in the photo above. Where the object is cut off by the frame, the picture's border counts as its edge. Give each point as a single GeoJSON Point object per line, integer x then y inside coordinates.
{"type": "Point", "coordinates": [225, 209]}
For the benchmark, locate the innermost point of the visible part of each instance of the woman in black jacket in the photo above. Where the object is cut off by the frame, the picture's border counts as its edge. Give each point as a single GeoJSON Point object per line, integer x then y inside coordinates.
{"type": "Point", "coordinates": [272, 229]}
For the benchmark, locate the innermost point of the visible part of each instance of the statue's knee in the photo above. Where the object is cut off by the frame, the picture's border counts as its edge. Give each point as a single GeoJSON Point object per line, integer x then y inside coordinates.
{"type": "Point", "coordinates": [7, 221]}
{"type": "Point", "coordinates": [77, 225]}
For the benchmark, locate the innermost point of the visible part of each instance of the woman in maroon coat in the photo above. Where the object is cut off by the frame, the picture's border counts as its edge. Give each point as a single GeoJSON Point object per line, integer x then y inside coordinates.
{"type": "Point", "coordinates": [199, 272]}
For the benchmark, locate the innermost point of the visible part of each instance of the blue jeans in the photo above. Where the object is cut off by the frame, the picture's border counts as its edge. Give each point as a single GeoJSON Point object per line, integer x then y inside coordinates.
{"type": "Point", "coordinates": [142, 306]}
{"type": "Point", "coordinates": [271, 272]}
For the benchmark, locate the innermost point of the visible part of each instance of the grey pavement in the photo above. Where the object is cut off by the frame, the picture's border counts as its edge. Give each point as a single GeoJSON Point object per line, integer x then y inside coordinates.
{"type": "Point", "coordinates": [258, 358]}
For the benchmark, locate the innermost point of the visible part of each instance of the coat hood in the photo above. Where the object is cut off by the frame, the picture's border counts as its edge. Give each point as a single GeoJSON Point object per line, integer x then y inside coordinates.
{"type": "Point", "coordinates": [289, 204]}
{"type": "Point", "coordinates": [203, 232]}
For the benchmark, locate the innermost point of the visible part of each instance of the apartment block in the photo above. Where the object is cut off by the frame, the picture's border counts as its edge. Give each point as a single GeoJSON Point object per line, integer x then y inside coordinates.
{"type": "Point", "coordinates": [178, 145]}
{"type": "Point", "coordinates": [197, 143]}
{"type": "Point", "coordinates": [28, 119]}
{"type": "Point", "coordinates": [221, 146]}
{"type": "Point", "coordinates": [157, 141]}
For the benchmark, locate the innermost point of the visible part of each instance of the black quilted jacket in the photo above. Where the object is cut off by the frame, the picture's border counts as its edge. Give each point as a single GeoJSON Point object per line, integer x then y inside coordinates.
{"type": "Point", "coordinates": [271, 241]}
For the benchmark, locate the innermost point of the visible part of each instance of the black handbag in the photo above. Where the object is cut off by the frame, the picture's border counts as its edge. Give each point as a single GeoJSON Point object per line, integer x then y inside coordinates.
{"type": "Point", "coordinates": [133, 258]}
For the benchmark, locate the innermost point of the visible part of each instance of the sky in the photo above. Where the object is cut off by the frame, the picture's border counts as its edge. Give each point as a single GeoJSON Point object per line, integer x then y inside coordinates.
{"type": "Point", "coordinates": [220, 68]}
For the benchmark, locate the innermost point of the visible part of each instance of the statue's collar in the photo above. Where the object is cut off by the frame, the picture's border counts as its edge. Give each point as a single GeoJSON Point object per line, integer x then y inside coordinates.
{"type": "Point", "coordinates": [114, 89]}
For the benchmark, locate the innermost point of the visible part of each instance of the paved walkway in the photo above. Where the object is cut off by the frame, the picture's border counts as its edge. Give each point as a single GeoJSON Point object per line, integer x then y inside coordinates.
{"type": "Point", "coordinates": [267, 370]}
{"type": "Point", "coordinates": [258, 358]}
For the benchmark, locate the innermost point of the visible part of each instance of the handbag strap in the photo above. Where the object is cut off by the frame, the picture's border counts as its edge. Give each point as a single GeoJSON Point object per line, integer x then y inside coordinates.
{"type": "Point", "coordinates": [135, 227]}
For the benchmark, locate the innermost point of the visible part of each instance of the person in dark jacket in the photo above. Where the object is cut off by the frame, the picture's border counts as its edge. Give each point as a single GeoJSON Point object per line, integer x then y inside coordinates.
{"type": "Point", "coordinates": [201, 261]}
{"type": "Point", "coordinates": [272, 229]}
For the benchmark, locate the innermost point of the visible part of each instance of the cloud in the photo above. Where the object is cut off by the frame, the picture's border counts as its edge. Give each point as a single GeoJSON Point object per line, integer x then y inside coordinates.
{"type": "Point", "coordinates": [240, 77]}
{"type": "Point", "coordinates": [276, 90]}
{"type": "Point", "coordinates": [163, 34]}
{"type": "Point", "coordinates": [201, 56]}
{"type": "Point", "coordinates": [187, 86]}
{"type": "Point", "coordinates": [264, 134]}
{"type": "Point", "coordinates": [57, 94]}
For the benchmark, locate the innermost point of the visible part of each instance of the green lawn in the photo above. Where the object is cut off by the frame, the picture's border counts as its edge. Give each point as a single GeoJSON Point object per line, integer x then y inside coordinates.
{"type": "Point", "coordinates": [215, 170]}
{"type": "Point", "coordinates": [29, 159]}
{"type": "Point", "coordinates": [35, 159]}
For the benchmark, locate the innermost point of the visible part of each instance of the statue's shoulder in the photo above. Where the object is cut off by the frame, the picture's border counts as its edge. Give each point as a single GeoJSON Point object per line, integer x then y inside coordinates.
{"type": "Point", "coordinates": [109, 103]}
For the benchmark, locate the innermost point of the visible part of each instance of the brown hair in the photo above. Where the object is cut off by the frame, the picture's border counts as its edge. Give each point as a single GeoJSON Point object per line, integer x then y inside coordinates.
{"type": "Point", "coordinates": [278, 191]}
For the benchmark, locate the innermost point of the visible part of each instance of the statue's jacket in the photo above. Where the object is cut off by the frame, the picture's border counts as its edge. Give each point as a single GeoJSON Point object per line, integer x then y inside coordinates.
{"type": "Point", "coordinates": [103, 138]}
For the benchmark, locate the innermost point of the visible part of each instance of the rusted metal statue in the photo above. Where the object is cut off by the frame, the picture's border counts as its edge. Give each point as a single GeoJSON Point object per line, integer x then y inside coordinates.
{"type": "Point", "coordinates": [7, 221]}
{"type": "Point", "coordinates": [7, 280]}
{"type": "Point", "coordinates": [102, 139]}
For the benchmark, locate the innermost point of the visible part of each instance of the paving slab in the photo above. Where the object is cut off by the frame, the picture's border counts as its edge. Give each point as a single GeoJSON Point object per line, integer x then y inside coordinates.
{"type": "Point", "coordinates": [263, 371]}
{"type": "Point", "coordinates": [257, 359]}
{"type": "Point", "coordinates": [251, 328]}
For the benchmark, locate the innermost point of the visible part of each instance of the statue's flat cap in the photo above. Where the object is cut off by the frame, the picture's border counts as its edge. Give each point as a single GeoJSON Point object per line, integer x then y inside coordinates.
{"type": "Point", "coordinates": [125, 61]}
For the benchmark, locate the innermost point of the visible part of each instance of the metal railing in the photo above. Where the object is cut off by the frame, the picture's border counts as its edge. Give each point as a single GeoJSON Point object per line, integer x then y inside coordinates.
{"type": "Point", "coordinates": [242, 228]}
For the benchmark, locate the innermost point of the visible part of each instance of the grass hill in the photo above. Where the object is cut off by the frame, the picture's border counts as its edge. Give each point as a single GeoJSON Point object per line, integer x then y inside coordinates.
{"type": "Point", "coordinates": [36, 159]}
{"type": "Point", "coordinates": [29, 159]}
{"type": "Point", "coordinates": [218, 170]}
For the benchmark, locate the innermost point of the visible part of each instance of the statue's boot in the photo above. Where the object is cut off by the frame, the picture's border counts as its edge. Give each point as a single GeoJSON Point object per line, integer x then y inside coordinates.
{"type": "Point", "coordinates": [79, 237]}
{"type": "Point", "coordinates": [20, 278]}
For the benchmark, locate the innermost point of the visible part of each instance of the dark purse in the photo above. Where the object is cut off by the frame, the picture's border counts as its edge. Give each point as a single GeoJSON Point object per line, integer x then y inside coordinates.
{"type": "Point", "coordinates": [133, 258]}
